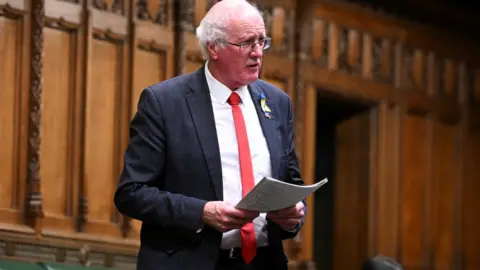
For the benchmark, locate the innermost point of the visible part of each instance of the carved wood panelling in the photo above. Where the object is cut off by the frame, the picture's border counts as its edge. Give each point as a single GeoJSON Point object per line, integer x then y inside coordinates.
{"type": "Point", "coordinates": [407, 75]}
{"type": "Point", "coordinates": [62, 108]}
{"type": "Point", "coordinates": [153, 53]}
{"type": "Point", "coordinates": [14, 41]}
{"type": "Point", "coordinates": [279, 25]}
{"type": "Point", "coordinates": [407, 67]}
{"type": "Point", "coordinates": [390, 59]}
{"type": "Point", "coordinates": [318, 48]}
{"type": "Point", "coordinates": [383, 56]}
{"type": "Point", "coordinates": [155, 11]}
{"type": "Point", "coordinates": [73, 64]}
{"type": "Point", "coordinates": [114, 6]}
{"type": "Point", "coordinates": [187, 15]}
{"type": "Point", "coordinates": [34, 200]}
{"type": "Point", "coordinates": [59, 191]}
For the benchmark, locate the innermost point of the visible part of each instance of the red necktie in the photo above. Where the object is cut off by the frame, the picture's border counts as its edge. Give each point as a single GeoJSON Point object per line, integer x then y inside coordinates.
{"type": "Point", "coordinates": [247, 232]}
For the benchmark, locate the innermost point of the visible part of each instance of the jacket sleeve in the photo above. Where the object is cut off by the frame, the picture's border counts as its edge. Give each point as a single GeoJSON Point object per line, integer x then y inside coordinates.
{"type": "Point", "coordinates": [139, 193]}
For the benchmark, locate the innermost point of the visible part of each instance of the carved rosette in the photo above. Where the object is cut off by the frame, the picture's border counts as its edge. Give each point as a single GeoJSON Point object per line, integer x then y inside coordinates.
{"type": "Point", "coordinates": [34, 199]}
{"type": "Point", "coordinates": [114, 6]}
{"type": "Point", "coordinates": [157, 13]}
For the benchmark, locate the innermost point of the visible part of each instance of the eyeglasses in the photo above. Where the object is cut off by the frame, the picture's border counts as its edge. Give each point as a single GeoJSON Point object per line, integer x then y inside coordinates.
{"type": "Point", "coordinates": [249, 46]}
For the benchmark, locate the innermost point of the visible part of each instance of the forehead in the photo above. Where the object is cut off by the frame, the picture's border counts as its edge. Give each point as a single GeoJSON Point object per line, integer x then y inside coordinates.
{"type": "Point", "coordinates": [247, 26]}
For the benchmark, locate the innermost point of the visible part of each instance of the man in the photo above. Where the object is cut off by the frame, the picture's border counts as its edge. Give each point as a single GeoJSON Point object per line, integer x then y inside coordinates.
{"type": "Point", "coordinates": [199, 142]}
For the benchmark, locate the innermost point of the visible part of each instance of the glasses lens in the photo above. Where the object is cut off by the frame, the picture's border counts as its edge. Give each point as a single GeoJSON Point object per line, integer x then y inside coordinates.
{"type": "Point", "coordinates": [266, 43]}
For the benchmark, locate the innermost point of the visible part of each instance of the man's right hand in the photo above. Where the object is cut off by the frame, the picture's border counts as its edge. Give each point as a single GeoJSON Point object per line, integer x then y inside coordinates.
{"type": "Point", "coordinates": [224, 216]}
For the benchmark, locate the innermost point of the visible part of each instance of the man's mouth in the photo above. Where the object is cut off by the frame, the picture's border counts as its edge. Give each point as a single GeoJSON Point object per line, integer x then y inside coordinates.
{"type": "Point", "coordinates": [253, 65]}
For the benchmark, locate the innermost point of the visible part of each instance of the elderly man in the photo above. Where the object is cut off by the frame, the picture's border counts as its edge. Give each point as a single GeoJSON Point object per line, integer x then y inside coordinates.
{"type": "Point", "coordinates": [201, 141]}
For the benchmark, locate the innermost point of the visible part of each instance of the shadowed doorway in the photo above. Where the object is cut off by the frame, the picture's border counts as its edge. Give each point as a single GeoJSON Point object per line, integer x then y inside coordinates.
{"type": "Point", "coordinates": [344, 129]}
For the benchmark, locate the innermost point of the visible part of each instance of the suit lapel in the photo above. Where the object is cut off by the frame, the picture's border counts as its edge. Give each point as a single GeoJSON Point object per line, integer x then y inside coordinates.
{"type": "Point", "coordinates": [269, 128]}
{"type": "Point", "coordinates": [200, 106]}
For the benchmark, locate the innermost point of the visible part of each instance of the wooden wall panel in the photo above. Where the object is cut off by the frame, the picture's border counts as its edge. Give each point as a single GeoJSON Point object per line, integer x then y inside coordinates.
{"type": "Point", "coordinates": [441, 217]}
{"type": "Point", "coordinates": [276, 83]}
{"type": "Point", "coordinates": [9, 67]}
{"type": "Point", "coordinates": [102, 130]}
{"type": "Point", "coordinates": [192, 66]}
{"type": "Point", "coordinates": [471, 202]}
{"type": "Point", "coordinates": [387, 183]}
{"type": "Point", "coordinates": [415, 175]}
{"type": "Point", "coordinates": [14, 78]}
{"type": "Point", "coordinates": [56, 129]}
{"type": "Point", "coordinates": [351, 191]}
{"type": "Point", "coordinates": [153, 59]}
{"type": "Point", "coordinates": [151, 70]}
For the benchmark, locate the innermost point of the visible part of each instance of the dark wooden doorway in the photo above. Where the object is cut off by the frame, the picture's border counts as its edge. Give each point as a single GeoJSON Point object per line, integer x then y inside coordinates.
{"type": "Point", "coordinates": [343, 149]}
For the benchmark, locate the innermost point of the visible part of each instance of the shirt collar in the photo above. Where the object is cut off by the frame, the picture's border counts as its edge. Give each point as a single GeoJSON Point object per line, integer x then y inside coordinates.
{"type": "Point", "coordinates": [219, 91]}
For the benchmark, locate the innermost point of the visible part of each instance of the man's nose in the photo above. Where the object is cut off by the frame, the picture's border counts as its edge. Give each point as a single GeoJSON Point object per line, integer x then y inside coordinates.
{"type": "Point", "coordinates": [257, 51]}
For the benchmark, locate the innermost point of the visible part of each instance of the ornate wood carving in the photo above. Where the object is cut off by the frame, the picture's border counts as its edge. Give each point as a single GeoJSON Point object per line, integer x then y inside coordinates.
{"type": "Point", "coordinates": [267, 17]}
{"type": "Point", "coordinates": [407, 67]}
{"type": "Point", "coordinates": [470, 83]}
{"type": "Point", "coordinates": [322, 61]}
{"type": "Point", "coordinates": [187, 15]}
{"type": "Point", "coordinates": [71, 1]}
{"type": "Point", "coordinates": [184, 14]}
{"type": "Point", "coordinates": [155, 11]}
{"type": "Point", "coordinates": [114, 6]}
{"type": "Point", "coordinates": [82, 254]}
{"type": "Point", "coordinates": [342, 49]}
{"type": "Point", "coordinates": [305, 40]}
{"type": "Point", "coordinates": [356, 40]}
{"type": "Point", "coordinates": [440, 76]}
{"type": "Point", "coordinates": [378, 48]}
{"type": "Point", "coordinates": [34, 200]}
{"type": "Point", "coordinates": [289, 33]}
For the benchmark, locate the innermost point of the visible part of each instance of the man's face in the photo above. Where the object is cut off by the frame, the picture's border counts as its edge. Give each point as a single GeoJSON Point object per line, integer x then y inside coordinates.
{"type": "Point", "coordinates": [241, 65]}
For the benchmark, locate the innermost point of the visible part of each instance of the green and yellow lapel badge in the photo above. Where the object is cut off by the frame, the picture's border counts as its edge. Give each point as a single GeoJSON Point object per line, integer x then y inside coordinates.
{"type": "Point", "coordinates": [263, 104]}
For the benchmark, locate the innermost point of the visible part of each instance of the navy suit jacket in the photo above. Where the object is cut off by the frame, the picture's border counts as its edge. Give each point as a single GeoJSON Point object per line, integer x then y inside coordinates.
{"type": "Point", "coordinates": [172, 168]}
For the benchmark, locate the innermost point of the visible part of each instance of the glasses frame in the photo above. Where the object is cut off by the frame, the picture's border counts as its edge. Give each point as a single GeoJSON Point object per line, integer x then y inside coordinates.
{"type": "Point", "coordinates": [251, 44]}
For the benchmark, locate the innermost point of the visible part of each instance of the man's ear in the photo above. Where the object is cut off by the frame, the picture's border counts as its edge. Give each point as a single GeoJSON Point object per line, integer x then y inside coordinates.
{"type": "Point", "coordinates": [212, 50]}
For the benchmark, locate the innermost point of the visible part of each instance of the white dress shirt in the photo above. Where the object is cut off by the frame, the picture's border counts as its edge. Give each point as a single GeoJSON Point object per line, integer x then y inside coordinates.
{"type": "Point", "coordinates": [227, 140]}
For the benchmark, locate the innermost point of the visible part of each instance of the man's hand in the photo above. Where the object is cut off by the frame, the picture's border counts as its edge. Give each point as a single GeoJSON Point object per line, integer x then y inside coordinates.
{"type": "Point", "coordinates": [288, 218]}
{"type": "Point", "coordinates": [224, 216]}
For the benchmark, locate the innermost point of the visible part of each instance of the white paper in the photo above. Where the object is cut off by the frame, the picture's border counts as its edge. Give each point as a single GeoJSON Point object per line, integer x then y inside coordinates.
{"type": "Point", "coordinates": [271, 195]}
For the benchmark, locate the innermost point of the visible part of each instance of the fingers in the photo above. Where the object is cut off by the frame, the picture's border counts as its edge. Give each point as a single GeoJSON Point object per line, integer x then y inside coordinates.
{"type": "Point", "coordinates": [294, 211]}
{"type": "Point", "coordinates": [228, 217]}
{"type": "Point", "coordinates": [240, 214]}
{"type": "Point", "coordinates": [287, 223]}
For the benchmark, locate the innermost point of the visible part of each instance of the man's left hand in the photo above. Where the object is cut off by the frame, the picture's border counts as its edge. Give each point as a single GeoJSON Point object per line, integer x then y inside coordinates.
{"type": "Point", "coordinates": [288, 218]}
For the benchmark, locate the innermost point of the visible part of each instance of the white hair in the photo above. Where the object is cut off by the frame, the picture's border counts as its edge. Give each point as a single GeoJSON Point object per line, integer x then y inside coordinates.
{"type": "Point", "coordinates": [213, 27]}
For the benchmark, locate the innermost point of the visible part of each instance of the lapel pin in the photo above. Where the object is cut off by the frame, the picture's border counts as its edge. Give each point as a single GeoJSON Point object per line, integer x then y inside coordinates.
{"type": "Point", "coordinates": [263, 104]}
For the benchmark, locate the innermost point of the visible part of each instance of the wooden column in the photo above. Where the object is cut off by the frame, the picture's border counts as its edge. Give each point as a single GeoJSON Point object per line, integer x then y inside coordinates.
{"type": "Point", "coordinates": [308, 166]}
{"type": "Point", "coordinates": [34, 207]}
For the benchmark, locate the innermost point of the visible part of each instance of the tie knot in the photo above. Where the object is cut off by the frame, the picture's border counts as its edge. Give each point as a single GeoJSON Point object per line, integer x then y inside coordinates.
{"type": "Point", "coordinates": [234, 99]}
